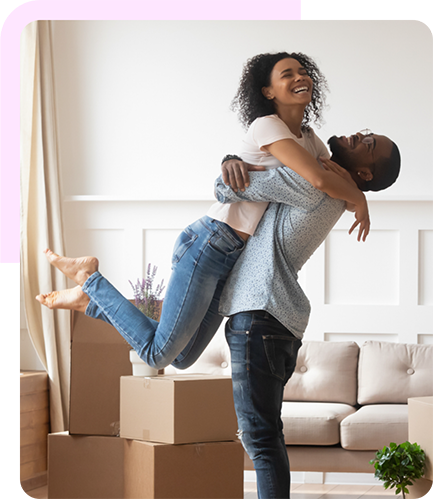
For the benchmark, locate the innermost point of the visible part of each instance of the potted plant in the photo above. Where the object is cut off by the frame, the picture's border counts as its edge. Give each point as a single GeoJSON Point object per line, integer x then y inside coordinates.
{"type": "Point", "coordinates": [148, 301]}
{"type": "Point", "coordinates": [398, 465]}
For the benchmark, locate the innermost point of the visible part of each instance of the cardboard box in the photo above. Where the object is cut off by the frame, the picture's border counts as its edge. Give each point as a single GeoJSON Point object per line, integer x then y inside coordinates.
{"type": "Point", "coordinates": [85, 467]}
{"type": "Point", "coordinates": [177, 409]}
{"type": "Point", "coordinates": [99, 357]}
{"type": "Point", "coordinates": [24, 486]}
{"type": "Point", "coordinates": [16, 473]}
{"type": "Point", "coordinates": [421, 428]}
{"type": "Point", "coordinates": [22, 392]}
{"type": "Point", "coordinates": [34, 424]}
{"type": "Point", "coordinates": [201, 471]}
{"type": "Point", "coordinates": [420, 488]}
{"type": "Point", "coordinates": [25, 419]}
{"type": "Point", "coordinates": [22, 382]}
{"type": "Point", "coordinates": [113, 468]}
{"type": "Point", "coordinates": [23, 454]}
{"type": "Point", "coordinates": [24, 403]}
{"type": "Point", "coordinates": [23, 437]}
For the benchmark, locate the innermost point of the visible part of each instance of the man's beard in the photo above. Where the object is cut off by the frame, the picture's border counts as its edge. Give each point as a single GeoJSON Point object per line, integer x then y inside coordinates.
{"type": "Point", "coordinates": [340, 155]}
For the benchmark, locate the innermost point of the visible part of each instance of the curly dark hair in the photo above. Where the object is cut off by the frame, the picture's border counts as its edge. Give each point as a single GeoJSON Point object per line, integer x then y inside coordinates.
{"type": "Point", "coordinates": [250, 103]}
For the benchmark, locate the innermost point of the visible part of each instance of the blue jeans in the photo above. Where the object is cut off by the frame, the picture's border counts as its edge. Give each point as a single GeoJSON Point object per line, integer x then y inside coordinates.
{"type": "Point", "coordinates": [263, 357]}
{"type": "Point", "coordinates": [203, 257]}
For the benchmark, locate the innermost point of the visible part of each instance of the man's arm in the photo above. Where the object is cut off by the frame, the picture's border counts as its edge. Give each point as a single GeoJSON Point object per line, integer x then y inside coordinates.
{"type": "Point", "coordinates": [274, 186]}
{"type": "Point", "coordinates": [361, 221]}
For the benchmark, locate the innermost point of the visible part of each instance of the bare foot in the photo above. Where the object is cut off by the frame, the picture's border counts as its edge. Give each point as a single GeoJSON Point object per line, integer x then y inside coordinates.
{"type": "Point", "coordinates": [77, 269]}
{"type": "Point", "coordinates": [69, 299]}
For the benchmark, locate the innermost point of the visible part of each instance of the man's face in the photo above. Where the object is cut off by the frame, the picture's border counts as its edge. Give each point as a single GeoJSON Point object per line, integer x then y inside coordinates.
{"type": "Point", "coordinates": [359, 153]}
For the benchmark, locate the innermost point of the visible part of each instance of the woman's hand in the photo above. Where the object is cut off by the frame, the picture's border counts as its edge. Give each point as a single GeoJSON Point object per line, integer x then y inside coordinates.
{"type": "Point", "coordinates": [332, 166]}
{"type": "Point", "coordinates": [361, 210]}
{"type": "Point", "coordinates": [235, 173]}
{"type": "Point", "coordinates": [363, 220]}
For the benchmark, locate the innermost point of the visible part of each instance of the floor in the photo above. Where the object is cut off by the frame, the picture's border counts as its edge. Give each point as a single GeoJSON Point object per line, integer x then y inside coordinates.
{"type": "Point", "coordinates": [299, 491]}
{"type": "Point", "coordinates": [328, 491]}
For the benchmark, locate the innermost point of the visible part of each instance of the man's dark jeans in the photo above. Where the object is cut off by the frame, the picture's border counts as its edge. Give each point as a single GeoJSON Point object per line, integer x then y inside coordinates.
{"type": "Point", "coordinates": [263, 356]}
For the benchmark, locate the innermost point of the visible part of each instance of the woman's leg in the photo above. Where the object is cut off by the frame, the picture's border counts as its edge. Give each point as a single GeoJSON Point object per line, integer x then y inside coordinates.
{"type": "Point", "coordinates": [204, 334]}
{"type": "Point", "coordinates": [204, 254]}
{"type": "Point", "coordinates": [263, 356]}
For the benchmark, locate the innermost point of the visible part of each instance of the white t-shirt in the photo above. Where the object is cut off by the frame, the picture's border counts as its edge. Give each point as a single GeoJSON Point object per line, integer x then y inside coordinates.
{"type": "Point", "coordinates": [245, 216]}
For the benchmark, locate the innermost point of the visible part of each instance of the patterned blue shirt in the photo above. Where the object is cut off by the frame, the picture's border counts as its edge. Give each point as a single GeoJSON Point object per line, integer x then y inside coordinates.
{"type": "Point", "coordinates": [297, 221]}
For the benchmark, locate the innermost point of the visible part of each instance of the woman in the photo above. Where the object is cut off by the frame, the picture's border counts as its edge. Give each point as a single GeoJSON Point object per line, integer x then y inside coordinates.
{"type": "Point", "coordinates": [279, 94]}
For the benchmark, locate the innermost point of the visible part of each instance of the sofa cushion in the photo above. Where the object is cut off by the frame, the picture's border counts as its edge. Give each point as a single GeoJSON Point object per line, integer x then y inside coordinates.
{"type": "Point", "coordinates": [390, 373]}
{"type": "Point", "coordinates": [313, 423]}
{"type": "Point", "coordinates": [374, 426]}
{"type": "Point", "coordinates": [325, 372]}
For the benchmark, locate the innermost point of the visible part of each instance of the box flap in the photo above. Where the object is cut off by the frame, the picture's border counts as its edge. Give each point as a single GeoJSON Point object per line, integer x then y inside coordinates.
{"type": "Point", "coordinates": [88, 330]}
{"type": "Point", "coordinates": [96, 369]}
{"type": "Point", "coordinates": [189, 377]}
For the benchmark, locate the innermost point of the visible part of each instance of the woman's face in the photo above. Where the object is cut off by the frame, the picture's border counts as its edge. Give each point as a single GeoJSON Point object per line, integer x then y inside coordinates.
{"type": "Point", "coordinates": [290, 84]}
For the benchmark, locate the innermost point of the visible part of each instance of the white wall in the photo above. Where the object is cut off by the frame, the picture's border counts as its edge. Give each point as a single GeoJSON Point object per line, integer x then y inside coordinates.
{"type": "Point", "coordinates": [381, 289]}
{"type": "Point", "coordinates": [144, 120]}
{"type": "Point", "coordinates": [143, 105]}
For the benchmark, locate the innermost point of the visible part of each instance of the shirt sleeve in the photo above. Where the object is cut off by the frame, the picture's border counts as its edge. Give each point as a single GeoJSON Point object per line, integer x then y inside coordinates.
{"type": "Point", "coordinates": [269, 129]}
{"type": "Point", "coordinates": [280, 185]}
{"type": "Point", "coordinates": [320, 147]}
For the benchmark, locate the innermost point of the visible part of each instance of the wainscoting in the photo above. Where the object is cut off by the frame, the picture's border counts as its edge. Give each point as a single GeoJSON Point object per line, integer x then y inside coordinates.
{"type": "Point", "coordinates": [378, 290]}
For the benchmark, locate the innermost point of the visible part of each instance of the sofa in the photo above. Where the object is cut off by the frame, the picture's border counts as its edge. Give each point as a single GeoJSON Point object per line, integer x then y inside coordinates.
{"type": "Point", "coordinates": [344, 401]}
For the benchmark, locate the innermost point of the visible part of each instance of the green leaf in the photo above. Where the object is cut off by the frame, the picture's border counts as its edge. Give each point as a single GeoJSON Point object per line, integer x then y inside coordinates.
{"type": "Point", "coordinates": [397, 465]}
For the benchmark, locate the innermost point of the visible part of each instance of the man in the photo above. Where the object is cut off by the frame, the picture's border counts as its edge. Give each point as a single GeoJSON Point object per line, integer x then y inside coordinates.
{"type": "Point", "coordinates": [287, 235]}
{"type": "Point", "coordinates": [267, 308]}
{"type": "Point", "coordinates": [347, 151]}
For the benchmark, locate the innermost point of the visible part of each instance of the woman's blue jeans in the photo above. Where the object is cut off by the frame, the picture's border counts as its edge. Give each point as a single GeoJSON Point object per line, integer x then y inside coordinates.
{"type": "Point", "coordinates": [203, 257]}
{"type": "Point", "coordinates": [263, 357]}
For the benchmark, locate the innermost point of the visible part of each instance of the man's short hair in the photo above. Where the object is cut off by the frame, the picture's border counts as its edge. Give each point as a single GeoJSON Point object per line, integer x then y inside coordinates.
{"type": "Point", "coordinates": [386, 171]}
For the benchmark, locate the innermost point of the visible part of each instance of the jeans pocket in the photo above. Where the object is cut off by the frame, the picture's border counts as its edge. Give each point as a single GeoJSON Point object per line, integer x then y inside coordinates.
{"type": "Point", "coordinates": [183, 242]}
{"type": "Point", "coordinates": [223, 244]}
{"type": "Point", "coordinates": [281, 353]}
{"type": "Point", "coordinates": [237, 336]}
{"type": "Point", "coordinates": [239, 323]}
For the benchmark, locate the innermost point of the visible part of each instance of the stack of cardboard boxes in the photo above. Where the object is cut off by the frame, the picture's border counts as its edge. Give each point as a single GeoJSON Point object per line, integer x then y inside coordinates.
{"type": "Point", "coordinates": [24, 420]}
{"type": "Point", "coordinates": [141, 437]}
{"type": "Point", "coordinates": [420, 431]}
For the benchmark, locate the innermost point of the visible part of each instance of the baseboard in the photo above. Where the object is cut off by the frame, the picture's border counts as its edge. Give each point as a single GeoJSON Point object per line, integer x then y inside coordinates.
{"type": "Point", "coordinates": [334, 478]}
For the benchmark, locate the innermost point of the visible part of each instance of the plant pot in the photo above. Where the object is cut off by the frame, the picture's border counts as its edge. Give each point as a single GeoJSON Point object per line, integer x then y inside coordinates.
{"type": "Point", "coordinates": [419, 488]}
{"type": "Point", "coordinates": [139, 367]}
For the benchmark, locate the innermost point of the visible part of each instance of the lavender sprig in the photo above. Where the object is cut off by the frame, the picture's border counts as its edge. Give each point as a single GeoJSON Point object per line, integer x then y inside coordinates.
{"type": "Point", "coordinates": [146, 299]}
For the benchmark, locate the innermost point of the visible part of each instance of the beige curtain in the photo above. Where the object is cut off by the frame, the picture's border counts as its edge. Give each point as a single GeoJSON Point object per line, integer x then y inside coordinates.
{"type": "Point", "coordinates": [41, 222]}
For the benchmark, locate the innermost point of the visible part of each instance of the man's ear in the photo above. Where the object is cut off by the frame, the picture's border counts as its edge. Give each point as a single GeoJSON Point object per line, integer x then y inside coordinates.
{"type": "Point", "coordinates": [267, 93]}
{"type": "Point", "coordinates": [365, 174]}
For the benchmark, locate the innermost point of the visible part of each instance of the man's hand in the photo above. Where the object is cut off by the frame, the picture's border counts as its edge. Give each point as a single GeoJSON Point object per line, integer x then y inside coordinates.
{"type": "Point", "coordinates": [235, 173]}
